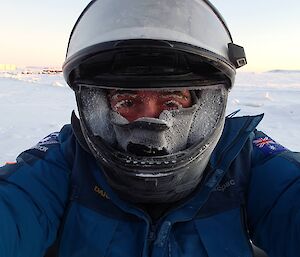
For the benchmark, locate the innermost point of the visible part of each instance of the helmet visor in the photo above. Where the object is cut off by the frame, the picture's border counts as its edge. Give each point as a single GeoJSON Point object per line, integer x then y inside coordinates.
{"type": "Point", "coordinates": [163, 121]}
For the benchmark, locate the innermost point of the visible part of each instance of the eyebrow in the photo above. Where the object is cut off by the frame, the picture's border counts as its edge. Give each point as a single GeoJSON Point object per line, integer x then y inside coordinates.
{"type": "Point", "coordinates": [117, 93]}
{"type": "Point", "coordinates": [177, 94]}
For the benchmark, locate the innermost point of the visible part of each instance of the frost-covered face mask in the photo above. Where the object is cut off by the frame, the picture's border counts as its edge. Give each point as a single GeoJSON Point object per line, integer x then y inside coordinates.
{"type": "Point", "coordinates": [148, 123]}
{"type": "Point", "coordinates": [153, 123]}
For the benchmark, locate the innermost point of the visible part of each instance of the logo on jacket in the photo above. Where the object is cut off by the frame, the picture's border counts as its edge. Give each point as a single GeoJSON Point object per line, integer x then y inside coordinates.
{"type": "Point", "coordinates": [226, 185]}
{"type": "Point", "coordinates": [101, 192]}
{"type": "Point", "coordinates": [268, 145]}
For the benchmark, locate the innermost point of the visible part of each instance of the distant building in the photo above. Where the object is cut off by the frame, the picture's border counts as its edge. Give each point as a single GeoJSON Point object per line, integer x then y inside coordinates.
{"type": "Point", "coordinates": [51, 71]}
{"type": "Point", "coordinates": [41, 70]}
{"type": "Point", "coordinates": [7, 67]}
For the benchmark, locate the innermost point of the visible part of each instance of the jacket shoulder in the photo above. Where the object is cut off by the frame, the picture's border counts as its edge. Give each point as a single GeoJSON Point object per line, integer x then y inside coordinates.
{"type": "Point", "coordinates": [55, 148]}
{"type": "Point", "coordinates": [272, 197]}
{"type": "Point", "coordinates": [36, 192]}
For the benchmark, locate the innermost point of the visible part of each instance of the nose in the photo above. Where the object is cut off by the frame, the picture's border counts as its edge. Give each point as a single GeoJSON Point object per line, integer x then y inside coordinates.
{"type": "Point", "coordinates": [149, 109]}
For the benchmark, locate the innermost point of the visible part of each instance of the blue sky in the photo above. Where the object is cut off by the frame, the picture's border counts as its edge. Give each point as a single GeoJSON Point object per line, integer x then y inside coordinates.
{"type": "Point", "coordinates": [36, 32]}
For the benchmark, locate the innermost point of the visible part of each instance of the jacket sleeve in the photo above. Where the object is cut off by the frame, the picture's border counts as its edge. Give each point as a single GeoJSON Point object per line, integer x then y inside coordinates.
{"type": "Point", "coordinates": [273, 206]}
{"type": "Point", "coordinates": [33, 195]}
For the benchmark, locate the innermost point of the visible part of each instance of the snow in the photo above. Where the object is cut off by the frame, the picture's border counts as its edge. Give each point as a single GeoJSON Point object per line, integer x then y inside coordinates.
{"type": "Point", "coordinates": [35, 105]}
{"type": "Point", "coordinates": [277, 95]}
{"type": "Point", "coordinates": [32, 106]}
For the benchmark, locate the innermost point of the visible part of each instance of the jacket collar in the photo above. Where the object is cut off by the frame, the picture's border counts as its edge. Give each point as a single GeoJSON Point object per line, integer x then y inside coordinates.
{"type": "Point", "coordinates": [235, 133]}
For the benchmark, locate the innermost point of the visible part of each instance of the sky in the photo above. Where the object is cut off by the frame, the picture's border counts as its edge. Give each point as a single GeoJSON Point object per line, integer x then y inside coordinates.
{"type": "Point", "coordinates": [35, 33]}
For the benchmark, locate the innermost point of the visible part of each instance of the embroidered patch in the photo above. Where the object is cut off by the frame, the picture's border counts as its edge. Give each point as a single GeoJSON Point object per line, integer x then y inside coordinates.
{"type": "Point", "coordinates": [268, 145]}
{"type": "Point", "coordinates": [51, 139]}
{"type": "Point", "coordinates": [43, 145]}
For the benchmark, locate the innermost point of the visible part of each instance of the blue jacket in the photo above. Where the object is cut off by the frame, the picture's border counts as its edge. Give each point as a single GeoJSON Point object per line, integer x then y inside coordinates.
{"type": "Point", "coordinates": [56, 192]}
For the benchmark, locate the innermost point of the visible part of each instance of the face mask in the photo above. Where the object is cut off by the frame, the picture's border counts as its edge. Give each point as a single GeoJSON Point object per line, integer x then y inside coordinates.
{"type": "Point", "coordinates": [154, 136]}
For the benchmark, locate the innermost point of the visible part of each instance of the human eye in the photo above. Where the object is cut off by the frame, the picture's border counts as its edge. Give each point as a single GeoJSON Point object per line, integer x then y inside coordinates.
{"type": "Point", "coordinates": [125, 103]}
{"type": "Point", "coordinates": [172, 104]}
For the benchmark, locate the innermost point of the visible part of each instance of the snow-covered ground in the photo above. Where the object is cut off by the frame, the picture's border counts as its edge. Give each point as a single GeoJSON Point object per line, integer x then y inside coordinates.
{"type": "Point", "coordinates": [277, 95]}
{"type": "Point", "coordinates": [34, 105]}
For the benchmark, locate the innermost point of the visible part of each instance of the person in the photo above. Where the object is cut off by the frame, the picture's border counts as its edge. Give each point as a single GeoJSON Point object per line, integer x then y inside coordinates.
{"type": "Point", "coordinates": [152, 166]}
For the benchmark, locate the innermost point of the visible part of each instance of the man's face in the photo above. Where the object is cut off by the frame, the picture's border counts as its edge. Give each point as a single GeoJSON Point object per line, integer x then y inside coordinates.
{"type": "Point", "coordinates": [145, 103]}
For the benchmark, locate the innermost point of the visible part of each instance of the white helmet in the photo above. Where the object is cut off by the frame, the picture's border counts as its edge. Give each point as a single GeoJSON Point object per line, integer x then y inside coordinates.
{"type": "Point", "coordinates": [146, 44]}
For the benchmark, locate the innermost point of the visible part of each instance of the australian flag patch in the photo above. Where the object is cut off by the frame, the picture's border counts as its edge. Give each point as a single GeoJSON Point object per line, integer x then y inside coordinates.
{"type": "Point", "coordinates": [267, 145]}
